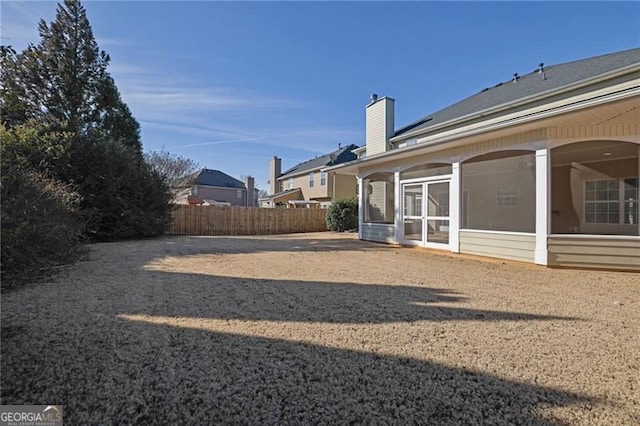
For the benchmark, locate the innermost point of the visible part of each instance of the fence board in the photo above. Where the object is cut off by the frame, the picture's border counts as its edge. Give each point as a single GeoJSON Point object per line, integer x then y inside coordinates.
{"type": "Point", "coordinates": [214, 220]}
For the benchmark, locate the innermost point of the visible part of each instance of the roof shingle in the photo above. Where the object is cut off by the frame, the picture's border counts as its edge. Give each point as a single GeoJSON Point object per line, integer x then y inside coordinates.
{"type": "Point", "coordinates": [341, 155]}
{"type": "Point", "coordinates": [554, 77]}
{"type": "Point", "coordinates": [210, 177]}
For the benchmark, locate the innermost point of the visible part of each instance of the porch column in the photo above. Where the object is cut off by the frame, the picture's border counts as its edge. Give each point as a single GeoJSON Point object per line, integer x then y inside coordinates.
{"type": "Point", "coordinates": [454, 208]}
{"type": "Point", "coordinates": [398, 221]}
{"type": "Point", "coordinates": [543, 195]}
{"type": "Point", "coordinates": [360, 206]}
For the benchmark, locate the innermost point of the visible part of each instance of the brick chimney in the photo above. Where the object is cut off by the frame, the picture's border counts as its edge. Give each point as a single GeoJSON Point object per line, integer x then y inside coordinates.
{"type": "Point", "coordinates": [380, 124]}
{"type": "Point", "coordinates": [275, 170]}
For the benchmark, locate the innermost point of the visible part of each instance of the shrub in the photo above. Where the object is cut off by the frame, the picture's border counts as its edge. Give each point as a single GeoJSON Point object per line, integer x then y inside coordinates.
{"type": "Point", "coordinates": [38, 220]}
{"type": "Point", "coordinates": [122, 196]}
{"type": "Point", "coordinates": [342, 215]}
{"type": "Point", "coordinates": [39, 224]}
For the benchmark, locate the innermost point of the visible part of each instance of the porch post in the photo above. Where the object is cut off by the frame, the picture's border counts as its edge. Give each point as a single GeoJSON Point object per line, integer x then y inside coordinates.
{"type": "Point", "coordinates": [543, 195]}
{"type": "Point", "coordinates": [397, 234]}
{"type": "Point", "coordinates": [454, 208]}
{"type": "Point", "coordinates": [360, 206]}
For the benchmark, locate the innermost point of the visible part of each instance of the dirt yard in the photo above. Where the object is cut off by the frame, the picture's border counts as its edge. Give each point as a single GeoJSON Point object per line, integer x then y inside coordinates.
{"type": "Point", "coordinates": [321, 328]}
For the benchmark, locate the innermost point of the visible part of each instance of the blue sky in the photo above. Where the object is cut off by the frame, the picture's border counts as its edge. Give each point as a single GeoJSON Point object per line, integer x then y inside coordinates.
{"type": "Point", "coordinates": [231, 84]}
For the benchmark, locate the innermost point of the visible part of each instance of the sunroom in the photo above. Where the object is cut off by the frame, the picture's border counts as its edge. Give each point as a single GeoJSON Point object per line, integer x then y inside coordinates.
{"type": "Point", "coordinates": [551, 181]}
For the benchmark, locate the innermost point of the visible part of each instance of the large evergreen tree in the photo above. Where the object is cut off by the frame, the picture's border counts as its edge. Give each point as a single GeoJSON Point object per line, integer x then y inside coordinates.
{"type": "Point", "coordinates": [63, 81]}
{"type": "Point", "coordinates": [63, 84]}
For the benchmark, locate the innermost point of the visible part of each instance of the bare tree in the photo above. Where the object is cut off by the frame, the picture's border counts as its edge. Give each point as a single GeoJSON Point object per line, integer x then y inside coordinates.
{"type": "Point", "coordinates": [177, 171]}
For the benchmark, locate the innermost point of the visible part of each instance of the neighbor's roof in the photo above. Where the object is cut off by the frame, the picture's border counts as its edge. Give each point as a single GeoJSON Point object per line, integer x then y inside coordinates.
{"type": "Point", "coordinates": [280, 194]}
{"type": "Point", "coordinates": [555, 77]}
{"type": "Point", "coordinates": [341, 155]}
{"type": "Point", "coordinates": [210, 177]}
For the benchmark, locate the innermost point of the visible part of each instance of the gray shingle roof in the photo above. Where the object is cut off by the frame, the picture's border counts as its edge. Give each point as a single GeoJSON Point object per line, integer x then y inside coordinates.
{"type": "Point", "coordinates": [342, 155]}
{"type": "Point", "coordinates": [217, 178]}
{"type": "Point", "coordinates": [555, 77]}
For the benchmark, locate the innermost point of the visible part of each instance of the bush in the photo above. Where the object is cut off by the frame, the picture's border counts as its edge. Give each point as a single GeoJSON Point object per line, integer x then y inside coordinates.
{"type": "Point", "coordinates": [39, 226]}
{"type": "Point", "coordinates": [38, 219]}
{"type": "Point", "coordinates": [122, 197]}
{"type": "Point", "coordinates": [342, 215]}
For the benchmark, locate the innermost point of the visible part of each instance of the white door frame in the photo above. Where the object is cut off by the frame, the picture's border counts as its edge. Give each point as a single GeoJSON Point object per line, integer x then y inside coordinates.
{"type": "Point", "coordinates": [425, 217]}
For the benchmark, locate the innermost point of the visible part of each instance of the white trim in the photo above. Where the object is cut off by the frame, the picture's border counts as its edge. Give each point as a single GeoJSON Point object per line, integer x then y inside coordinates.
{"type": "Point", "coordinates": [596, 237]}
{"type": "Point", "coordinates": [484, 231]}
{"type": "Point", "coordinates": [398, 207]}
{"type": "Point", "coordinates": [360, 206]}
{"type": "Point", "coordinates": [455, 207]}
{"type": "Point", "coordinates": [427, 179]}
{"type": "Point", "coordinates": [425, 218]}
{"type": "Point", "coordinates": [542, 206]}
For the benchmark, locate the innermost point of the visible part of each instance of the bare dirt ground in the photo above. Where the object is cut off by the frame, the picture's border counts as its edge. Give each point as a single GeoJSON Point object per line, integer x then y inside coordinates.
{"type": "Point", "coordinates": [321, 328]}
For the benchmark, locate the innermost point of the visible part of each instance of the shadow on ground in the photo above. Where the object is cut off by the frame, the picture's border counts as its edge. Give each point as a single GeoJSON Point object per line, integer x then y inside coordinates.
{"type": "Point", "coordinates": [223, 297]}
{"type": "Point", "coordinates": [66, 345]}
{"type": "Point", "coordinates": [141, 373]}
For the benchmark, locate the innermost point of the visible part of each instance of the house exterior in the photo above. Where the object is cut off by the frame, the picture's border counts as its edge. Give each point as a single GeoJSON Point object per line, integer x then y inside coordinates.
{"type": "Point", "coordinates": [307, 184]}
{"type": "Point", "coordinates": [213, 187]}
{"type": "Point", "coordinates": [542, 168]}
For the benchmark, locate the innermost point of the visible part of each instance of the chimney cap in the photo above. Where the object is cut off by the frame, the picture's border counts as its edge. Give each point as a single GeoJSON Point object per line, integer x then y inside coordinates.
{"type": "Point", "coordinates": [374, 97]}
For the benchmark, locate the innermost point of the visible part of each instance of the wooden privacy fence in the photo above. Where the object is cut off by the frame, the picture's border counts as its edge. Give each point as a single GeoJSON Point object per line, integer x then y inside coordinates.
{"type": "Point", "coordinates": [214, 220]}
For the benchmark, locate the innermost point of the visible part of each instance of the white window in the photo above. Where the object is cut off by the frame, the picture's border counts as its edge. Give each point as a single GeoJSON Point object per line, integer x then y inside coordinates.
{"type": "Point", "coordinates": [239, 193]}
{"type": "Point", "coordinates": [194, 190]}
{"type": "Point", "coordinates": [311, 180]}
{"type": "Point", "coordinates": [290, 183]}
{"type": "Point", "coordinates": [507, 196]}
{"type": "Point", "coordinates": [323, 178]}
{"type": "Point", "coordinates": [613, 201]}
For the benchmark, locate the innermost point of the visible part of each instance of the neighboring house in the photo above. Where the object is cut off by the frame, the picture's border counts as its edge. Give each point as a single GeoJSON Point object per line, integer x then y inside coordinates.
{"type": "Point", "coordinates": [307, 184]}
{"type": "Point", "coordinates": [542, 168]}
{"type": "Point", "coordinates": [213, 187]}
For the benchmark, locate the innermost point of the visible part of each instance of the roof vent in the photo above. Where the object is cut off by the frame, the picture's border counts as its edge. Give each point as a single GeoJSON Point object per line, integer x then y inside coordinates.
{"type": "Point", "coordinates": [374, 97]}
{"type": "Point", "coordinates": [541, 71]}
{"type": "Point", "coordinates": [516, 77]}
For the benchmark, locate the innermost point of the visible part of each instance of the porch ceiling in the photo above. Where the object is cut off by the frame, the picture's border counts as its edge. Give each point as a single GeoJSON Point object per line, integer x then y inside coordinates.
{"type": "Point", "coordinates": [590, 151]}
{"type": "Point", "coordinates": [625, 111]}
